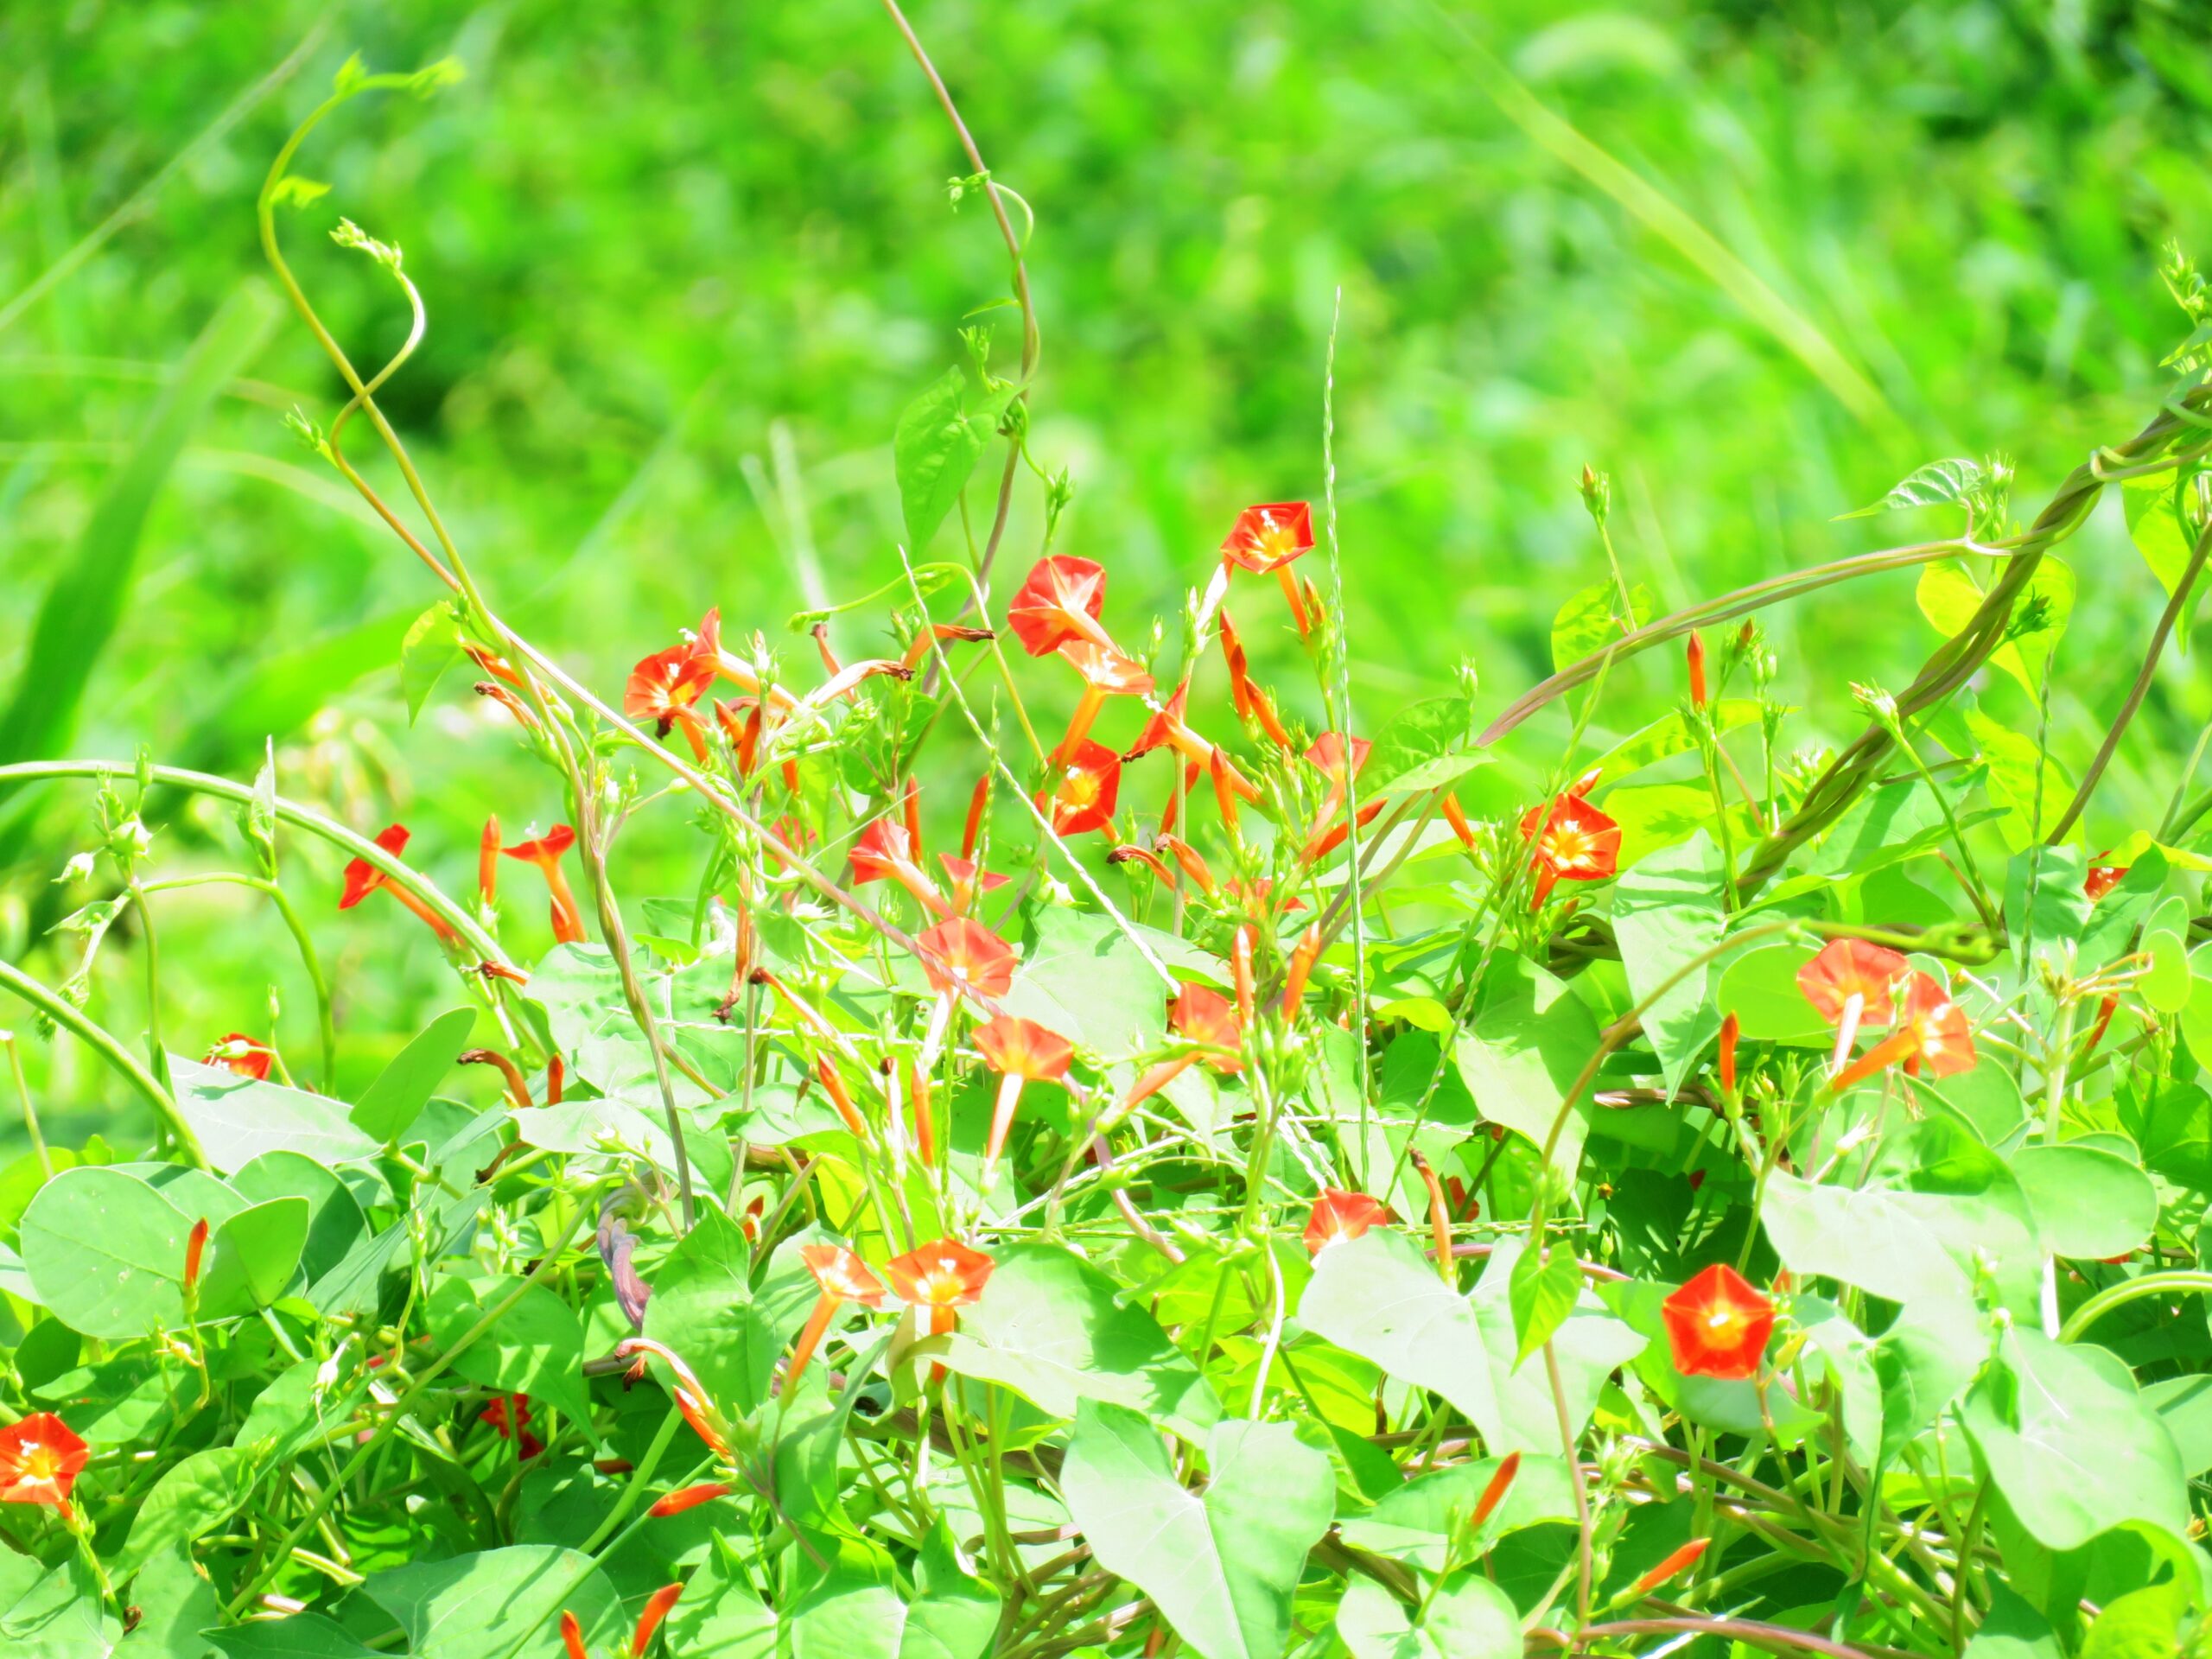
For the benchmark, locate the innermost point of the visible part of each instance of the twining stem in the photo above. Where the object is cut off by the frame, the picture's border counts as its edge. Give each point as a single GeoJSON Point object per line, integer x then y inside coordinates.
{"type": "Point", "coordinates": [30, 1111]}
{"type": "Point", "coordinates": [65, 1013]}
{"type": "Point", "coordinates": [2181, 1283]}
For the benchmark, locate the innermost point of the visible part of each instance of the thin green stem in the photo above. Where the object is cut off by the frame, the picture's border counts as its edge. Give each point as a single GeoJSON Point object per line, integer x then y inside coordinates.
{"type": "Point", "coordinates": [67, 1015]}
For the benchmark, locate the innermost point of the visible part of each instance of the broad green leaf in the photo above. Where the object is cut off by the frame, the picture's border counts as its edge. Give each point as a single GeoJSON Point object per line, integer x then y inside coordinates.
{"type": "Point", "coordinates": [936, 446]}
{"type": "Point", "coordinates": [303, 1635]}
{"type": "Point", "coordinates": [2196, 1013]}
{"type": "Point", "coordinates": [1949, 597]}
{"type": "Point", "coordinates": [2174, 1129]}
{"type": "Point", "coordinates": [1221, 1566]}
{"type": "Point", "coordinates": [1056, 1330]}
{"type": "Point", "coordinates": [432, 647]}
{"type": "Point", "coordinates": [1424, 747]}
{"type": "Point", "coordinates": [1378, 1297]}
{"type": "Point", "coordinates": [2088, 1204]}
{"type": "Point", "coordinates": [1530, 1041]}
{"type": "Point", "coordinates": [238, 1118]}
{"type": "Point", "coordinates": [175, 1602]}
{"type": "Point", "coordinates": [536, 1347]}
{"type": "Point", "coordinates": [2185, 1405]}
{"type": "Point", "coordinates": [2064, 1434]}
{"type": "Point", "coordinates": [1081, 977]}
{"type": "Point", "coordinates": [105, 1253]}
{"type": "Point", "coordinates": [190, 1501]}
{"type": "Point", "coordinates": [252, 1256]}
{"type": "Point", "coordinates": [1760, 988]}
{"type": "Point", "coordinates": [2157, 531]}
{"type": "Point", "coordinates": [1589, 1346]}
{"type": "Point", "coordinates": [1466, 1617]}
{"type": "Point", "coordinates": [720, 1612]}
{"type": "Point", "coordinates": [2046, 912]}
{"type": "Point", "coordinates": [1543, 1290]}
{"type": "Point", "coordinates": [1834, 1344]}
{"type": "Point", "coordinates": [1668, 735]}
{"type": "Point", "coordinates": [2118, 920]}
{"type": "Point", "coordinates": [2013, 1629]}
{"type": "Point", "coordinates": [1892, 822]}
{"type": "Point", "coordinates": [2166, 983]}
{"type": "Point", "coordinates": [1590, 616]}
{"type": "Point", "coordinates": [1958, 481]}
{"type": "Point", "coordinates": [59, 1615]}
{"type": "Point", "coordinates": [2017, 769]}
{"type": "Point", "coordinates": [395, 1099]}
{"type": "Point", "coordinates": [2143, 1624]}
{"type": "Point", "coordinates": [1426, 1519]}
{"type": "Point", "coordinates": [1667, 912]}
{"type": "Point", "coordinates": [704, 1306]}
{"type": "Point", "coordinates": [484, 1606]}
{"type": "Point", "coordinates": [335, 1223]}
{"type": "Point", "coordinates": [91, 589]}
{"type": "Point", "coordinates": [1938, 1209]}
{"type": "Point", "coordinates": [1924, 1361]}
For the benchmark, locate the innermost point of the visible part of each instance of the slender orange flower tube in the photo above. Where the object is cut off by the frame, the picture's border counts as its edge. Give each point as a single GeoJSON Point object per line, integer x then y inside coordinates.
{"type": "Point", "coordinates": [1086, 784]}
{"type": "Point", "coordinates": [240, 1054]}
{"type": "Point", "coordinates": [1439, 1217]}
{"type": "Point", "coordinates": [1106, 673]}
{"type": "Point", "coordinates": [656, 1606]}
{"type": "Point", "coordinates": [1695, 650]}
{"type": "Point", "coordinates": [363, 878]}
{"type": "Point", "coordinates": [1130, 853]}
{"type": "Point", "coordinates": [943, 1277]}
{"type": "Point", "coordinates": [690, 1497]}
{"type": "Point", "coordinates": [572, 1637]}
{"type": "Point", "coordinates": [963, 956]}
{"type": "Point", "coordinates": [1338, 1215]}
{"type": "Point", "coordinates": [1933, 1032]}
{"type": "Point", "coordinates": [1679, 1561]}
{"type": "Point", "coordinates": [1494, 1494]}
{"type": "Point", "coordinates": [885, 851]}
{"type": "Point", "coordinates": [1240, 967]}
{"type": "Point", "coordinates": [1456, 816]}
{"type": "Point", "coordinates": [41, 1457]}
{"type": "Point", "coordinates": [979, 803]}
{"type": "Point", "coordinates": [928, 638]}
{"type": "Point", "coordinates": [663, 689]}
{"type": "Point", "coordinates": [1849, 982]}
{"type": "Point", "coordinates": [1251, 701]}
{"type": "Point", "coordinates": [1019, 1051]}
{"type": "Point", "coordinates": [688, 1393]}
{"type": "Point", "coordinates": [545, 853]}
{"type": "Point", "coordinates": [1168, 729]}
{"type": "Point", "coordinates": [1336, 834]}
{"type": "Point", "coordinates": [1187, 856]}
{"type": "Point", "coordinates": [833, 1084]}
{"type": "Point", "coordinates": [1573, 841]}
{"type": "Point", "coordinates": [195, 1249]}
{"type": "Point", "coordinates": [517, 1088]}
{"type": "Point", "coordinates": [1731, 1029]}
{"type": "Point", "coordinates": [843, 1277]}
{"type": "Point", "coordinates": [488, 861]}
{"type": "Point", "coordinates": [1224, 789]}
{"type": "Point", "coordinates": [492, 691]}
{"type": "Point", "coordinates": [1059, 600]}
{"type": "Point", "coordinates": [1718, 1325]}
{"type": "Point", "coordinates": [1271, 536]}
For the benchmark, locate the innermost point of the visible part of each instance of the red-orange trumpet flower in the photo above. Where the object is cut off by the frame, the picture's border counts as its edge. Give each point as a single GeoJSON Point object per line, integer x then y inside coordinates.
{"type": "Point", "coordinates": [1339, 1215]}
{"type": "Point", "coordinates": [41, 1457]}
{"type": "Point", "coordinates": [1695, 652]}
{"type": "Point", "coordinates": [885, 851]}
{"type": "Point", "coordinates": [545, 853]}
{"type": "Point", "coordinates": [509, 1416]}
{"type": "Point", "coordinates": [688, 1392]}
{"type": "Point", "coordinates": [967, 881]}
{"type": "Point", "coordinates": [664, 687]}
{"type": "Point", "coordinates": [1850, 983]}
{"type": "Point", "coordinates": [843, 1277]}
{"type": "Point", "coordinates": [1680, 1561]}
{"type": "Point", "coordinates": [1731, 1029]}
{"type": "Point", "coordinates": [1059, 600]}
{"type": "Point", "coordinates": [962, 954]}
{"type": "Point", "coordinates": [1086, 784]}
{"type": "Point", "coordinates": [1205, 1017]}
{"type": "Point", "coordinates": [1019, 1051]}
{"type": "Point", "coordinates": [1106, 673]}
{"type": "Point", "coordinates": [240, 1054]}
{"type": "Point", "coordinates": [2102, 878]}
{"type": "Point", "coordinates": [1934, 1034]}
{"type": "Point", "coordinates": [943, 1277]}
{"type": "Point", "coordinates": [1271, 536]}
{"type": "Point", "coordinates": [1494, 1494]}
{"type": "Point", "coordinates": [656, 1609]}
{"type": "Point", "coordinates": [690, 1497]}
{"type": "Point", "coordinates": [195, 1252]}
{"type": "Point", "coordinates": [1573, 841]}
{"type": "Point", "coordinates": [363, 878]}
{"type": "Point", "coordinates": [1718, 1325]}
{"type": "Point", "coordinates": [706, 651]}
{"type": "Point", "coordinates": [488, 861]}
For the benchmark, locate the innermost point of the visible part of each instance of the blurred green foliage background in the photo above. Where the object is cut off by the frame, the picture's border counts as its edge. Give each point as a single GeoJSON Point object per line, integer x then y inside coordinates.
{"type": "Point", "coordinates": [685, 263]}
